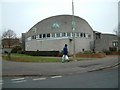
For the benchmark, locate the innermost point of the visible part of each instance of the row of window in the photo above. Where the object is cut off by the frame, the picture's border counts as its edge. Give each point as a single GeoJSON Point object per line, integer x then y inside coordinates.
{"type": "Point", "coordinates": [56, 35]}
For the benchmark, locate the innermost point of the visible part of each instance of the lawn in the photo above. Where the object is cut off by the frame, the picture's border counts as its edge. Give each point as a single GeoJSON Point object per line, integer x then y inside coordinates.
{"type": "Point", "coordinates": [28, 58]}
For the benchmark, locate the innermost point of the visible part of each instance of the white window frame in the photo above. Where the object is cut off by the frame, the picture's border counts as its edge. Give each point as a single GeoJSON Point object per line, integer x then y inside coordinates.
{"type": "Point", "coordinates": [47, 35]}
{"type": "Point", "coordinates": [37, 36]}
{"type": "Point", "coordinates": [53, 35]}
{"type": "Point", "coordinates": [68, 34]}
{"type": "Point", "coordinates": [43, 35]}
{"type": "Point", "coordinates": [57, 34]}
{"type": "Point", "coordinates": [64, 34]}
{"type": "Point", "coordinates": [71, 34]}
{"type": "Point", "coordinates": [81, 35]}
{"type": "Point", "coordinates": [77, 34]}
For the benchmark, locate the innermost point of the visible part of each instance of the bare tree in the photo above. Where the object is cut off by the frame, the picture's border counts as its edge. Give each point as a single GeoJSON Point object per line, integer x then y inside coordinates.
{"type": "Point", "coordinates": [9, 34]}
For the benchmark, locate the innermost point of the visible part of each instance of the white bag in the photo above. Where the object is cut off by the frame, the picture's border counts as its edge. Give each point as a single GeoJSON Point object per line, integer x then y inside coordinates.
{"type": "Point", "coordinates": [65, 57]}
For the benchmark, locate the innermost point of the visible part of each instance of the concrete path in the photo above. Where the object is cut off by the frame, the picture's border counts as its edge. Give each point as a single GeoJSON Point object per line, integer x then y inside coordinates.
{"type": "Point", "coordinates": [39, 69]}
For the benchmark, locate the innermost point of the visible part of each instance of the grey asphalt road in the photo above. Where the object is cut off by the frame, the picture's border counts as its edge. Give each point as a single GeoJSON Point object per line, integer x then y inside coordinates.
{"type": "Point", "coordinates": [98, 79]}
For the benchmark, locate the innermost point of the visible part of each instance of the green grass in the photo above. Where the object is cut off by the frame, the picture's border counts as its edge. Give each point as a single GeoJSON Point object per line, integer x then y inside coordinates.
{"type": "Point", "coordinates": [28, 58]}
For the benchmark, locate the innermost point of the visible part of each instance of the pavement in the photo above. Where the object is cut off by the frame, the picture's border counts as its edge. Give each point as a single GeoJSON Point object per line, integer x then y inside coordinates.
{"type": "Point", "coordinates": [51, 69]}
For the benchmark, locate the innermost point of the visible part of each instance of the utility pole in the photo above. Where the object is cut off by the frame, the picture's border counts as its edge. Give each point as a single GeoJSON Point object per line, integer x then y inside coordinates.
{"type": "Point", "coordinates": [73, 28]}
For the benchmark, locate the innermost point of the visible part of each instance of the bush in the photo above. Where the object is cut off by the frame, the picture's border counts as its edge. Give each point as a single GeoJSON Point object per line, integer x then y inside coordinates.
{"type": "Point", "coordinates": [87, 52]}
{"type": "Point", "coordinates": [60, 54]}
{"type": "Point", "coordinates": [107, 52]}
{"type": "Point", "coordinates": [90, 55]}
{"type": "Point", "coordinates": [112, 49]}
{"type": "Point", "coordinates": [16, 49]}
{"type": "Point", "coordinates": [5, 52]}
{"type": "Point", "coordinates": [42, 53]}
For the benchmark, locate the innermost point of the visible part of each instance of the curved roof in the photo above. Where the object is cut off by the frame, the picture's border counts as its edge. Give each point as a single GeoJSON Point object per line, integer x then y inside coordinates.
{"type": "Point", "coordinates": [59, 23]}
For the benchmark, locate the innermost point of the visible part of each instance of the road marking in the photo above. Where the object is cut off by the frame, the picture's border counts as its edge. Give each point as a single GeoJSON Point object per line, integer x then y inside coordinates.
{"type": "Point", "coordinates": [56, 76]}
{"type": "Point", "coordinates": [39, 79]}
{"type": "Point", "coordinates": [17, 79]}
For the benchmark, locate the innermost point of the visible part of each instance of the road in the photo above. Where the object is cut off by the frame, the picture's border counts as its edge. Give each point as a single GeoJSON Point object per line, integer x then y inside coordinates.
{"type": "Point", "coordinates": [98, 79]}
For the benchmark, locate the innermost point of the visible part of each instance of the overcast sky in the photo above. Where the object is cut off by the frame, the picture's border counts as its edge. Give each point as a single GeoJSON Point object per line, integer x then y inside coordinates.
{"type": "Point", "coordinates": [21, 15]}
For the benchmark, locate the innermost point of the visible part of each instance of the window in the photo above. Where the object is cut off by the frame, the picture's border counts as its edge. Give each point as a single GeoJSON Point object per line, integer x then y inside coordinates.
{"type": "Point", "coordinates": [33, 37]}
{"type": "Point", "coordinates": [53, 34]}
{"type": "Point", "coordinates": [44, 35]}
{"type": "Point", "coordinates": [98, 35]}
{"type": "Point", "coordinates": [48, 35]}
{"type": "Point", "coordinates": [84, 35]}
{"type": "Point", "coordinates": [81, 34]}
{"type": "Point", "coordinates": [37, 36]}
{"type": "Point", "coordinates": [40, 36]}
{"type": "Point", "coordinates": [89, 35]}
{"type": "Point", "coordinates": [57, 34]}
{"type": "Point", "coordinates": [63, 34]}
{"type": "Point", "coordinates": [77, 34]}
{"type": "Point", "coordinates": [115, 44]}
{"type": "Point", "coordinates": [55, 25]}
{"type": "Point", "coordinates": [34, 29]}
{"type": "Point", "coordinates": [68, 34]}
{"type": "Point", "coordinates": [71, 34]}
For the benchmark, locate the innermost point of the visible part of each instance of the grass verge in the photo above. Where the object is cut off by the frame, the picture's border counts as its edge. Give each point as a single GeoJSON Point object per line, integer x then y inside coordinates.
{"type": "Point", "coordinates": [28, 58]}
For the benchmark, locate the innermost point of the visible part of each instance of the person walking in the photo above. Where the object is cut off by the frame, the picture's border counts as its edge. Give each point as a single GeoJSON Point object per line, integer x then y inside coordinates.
{"type": "Point", "coordinates": [65, 54]}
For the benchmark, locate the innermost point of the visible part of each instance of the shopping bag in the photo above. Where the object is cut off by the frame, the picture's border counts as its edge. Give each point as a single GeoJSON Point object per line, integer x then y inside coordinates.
{"type": "Point", "coordinates": [66, 57]}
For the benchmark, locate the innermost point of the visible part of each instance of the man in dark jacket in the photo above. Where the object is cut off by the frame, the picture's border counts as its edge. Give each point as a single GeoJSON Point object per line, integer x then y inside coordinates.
{"type": "Point", "coordinates": [65, 54]}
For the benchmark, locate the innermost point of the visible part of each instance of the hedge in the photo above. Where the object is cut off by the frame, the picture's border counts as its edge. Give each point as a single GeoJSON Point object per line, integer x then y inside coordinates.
{"type": "Point", "coordinates": [41, 53]}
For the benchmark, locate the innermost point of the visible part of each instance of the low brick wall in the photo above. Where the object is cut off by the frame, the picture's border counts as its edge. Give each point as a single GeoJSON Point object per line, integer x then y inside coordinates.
{"type": "Point", "coordinates": [94, 55]}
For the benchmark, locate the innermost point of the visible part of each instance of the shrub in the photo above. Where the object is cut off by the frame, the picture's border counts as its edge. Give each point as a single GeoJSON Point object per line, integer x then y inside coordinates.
{"type": "Point", "coordinates": [87, 52]}
{"type": "Point", "coordinates": [91, 55]}
{"type": "Point", "coordinates": [107, 52]}
{"type": "Point", "coordinates": [112, 48]}
{"type": "Point", "coordinates": [16, 49]}
{"type": "Point", "coordinates": [60, 54]}
{"type": "Point", "coordinates": [5, 52]}
{"type": "Point", "coordinates": [42, 53]}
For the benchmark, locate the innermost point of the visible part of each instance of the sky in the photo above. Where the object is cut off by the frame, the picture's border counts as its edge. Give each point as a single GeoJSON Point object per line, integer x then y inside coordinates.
{"type": "Point", "coordinates": [21, 15]}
